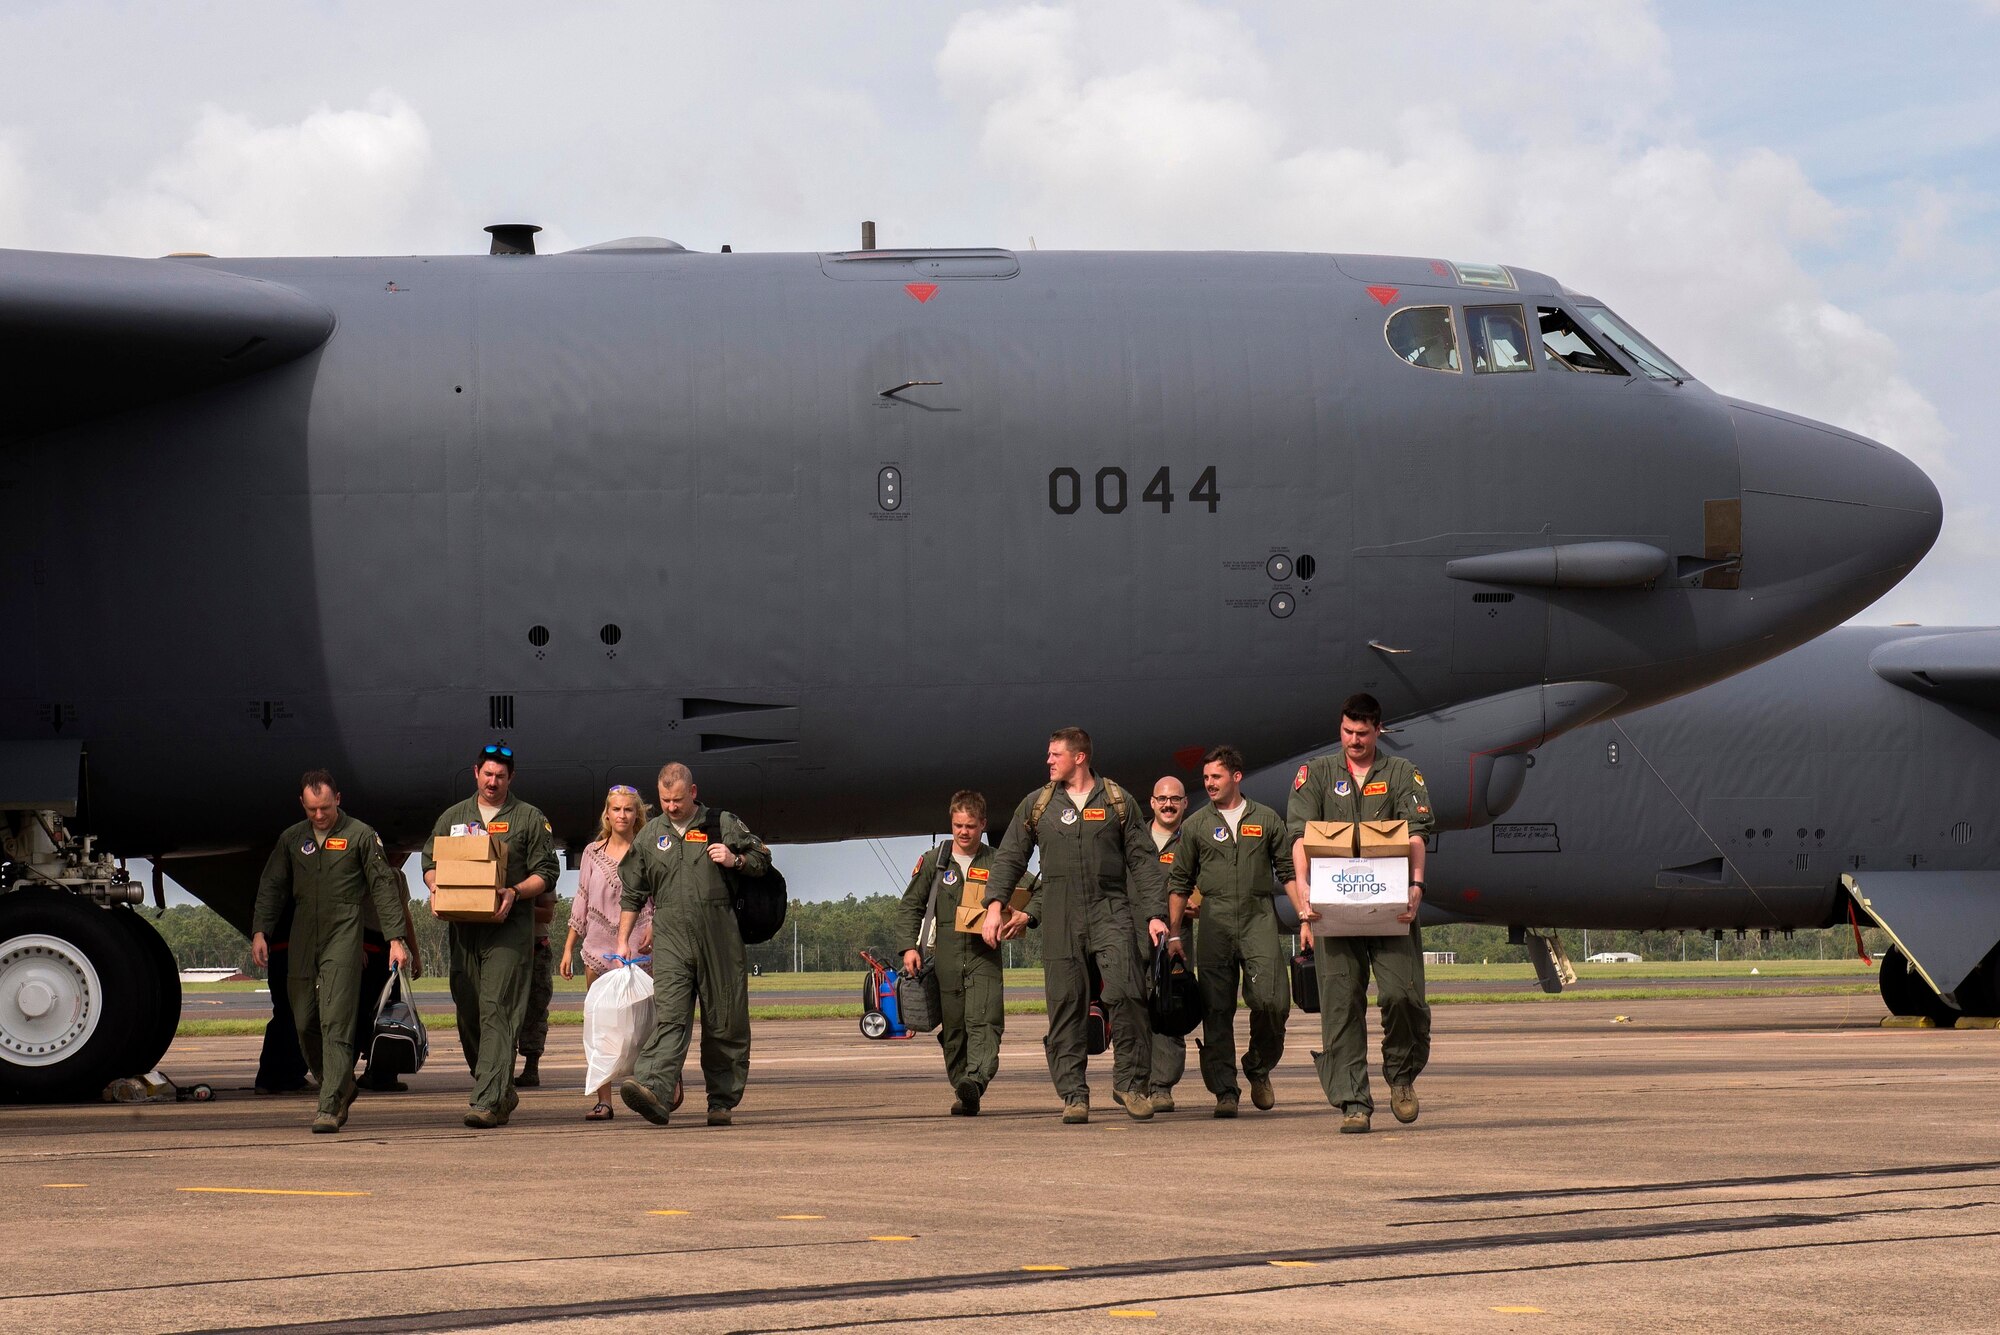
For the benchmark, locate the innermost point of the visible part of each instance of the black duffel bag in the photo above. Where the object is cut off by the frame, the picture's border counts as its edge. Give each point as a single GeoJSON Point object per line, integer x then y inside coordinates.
{"type": "Point", "coordinates": [919, 1001]}
{"type": "Point", "coordinates": [1305, 982]}
{"type": "Point", "coordinates": [1175, 1007]}
{"type": "Point", "coordinates": [398, 1043]}
{"type": "Point", "coordinates": [759, 901]}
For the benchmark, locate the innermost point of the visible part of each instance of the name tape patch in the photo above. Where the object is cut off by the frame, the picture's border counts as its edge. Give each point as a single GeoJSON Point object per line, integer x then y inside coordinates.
{"type": "Point", "coordinates": [1378, 788]}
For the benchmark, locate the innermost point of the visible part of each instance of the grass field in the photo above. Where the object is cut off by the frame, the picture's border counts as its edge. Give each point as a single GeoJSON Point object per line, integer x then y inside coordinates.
{"type": "Point", "coordinates": [767, 993]}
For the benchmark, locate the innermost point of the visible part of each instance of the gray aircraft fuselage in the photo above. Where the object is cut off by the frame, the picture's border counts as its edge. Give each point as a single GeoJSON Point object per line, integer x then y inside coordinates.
{"type": "Point", "coordinates": [1741, 806]}
{"type": "Point", "coordinates": [627, 507]}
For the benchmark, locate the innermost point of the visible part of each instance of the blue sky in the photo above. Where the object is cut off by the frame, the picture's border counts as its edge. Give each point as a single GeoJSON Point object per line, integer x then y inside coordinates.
{"type": "Point", "coordinates": [1800, 202]}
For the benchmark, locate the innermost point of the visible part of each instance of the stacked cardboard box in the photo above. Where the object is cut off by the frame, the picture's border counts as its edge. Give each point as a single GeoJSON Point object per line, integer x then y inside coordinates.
{"type": "Point", "coordinates": [1360, 876]}
{"type": "Point", "coordinates": [471, 871]}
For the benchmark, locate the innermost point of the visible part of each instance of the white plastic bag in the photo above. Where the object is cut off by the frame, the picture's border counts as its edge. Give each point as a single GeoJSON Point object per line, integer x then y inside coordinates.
{"type": "Point", "coordinates": [617, 1020]}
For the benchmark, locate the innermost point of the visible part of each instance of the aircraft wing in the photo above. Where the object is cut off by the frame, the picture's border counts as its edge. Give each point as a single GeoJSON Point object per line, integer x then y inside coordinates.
{"type": "Point", "coordinates": [87, 335]}
{"type": "Point", "coordinates": [1962, 667]}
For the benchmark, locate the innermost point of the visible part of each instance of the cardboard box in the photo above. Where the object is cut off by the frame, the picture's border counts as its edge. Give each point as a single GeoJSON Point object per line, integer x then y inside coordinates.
{"type": "Point", "coordinates": [468, 848]}
{"type": "Point", "coordinates": [484, 875]}
{"type": "Point", "coordinates": [465, 903]}
{"type": "Point", "coordinates": [1359, 877]}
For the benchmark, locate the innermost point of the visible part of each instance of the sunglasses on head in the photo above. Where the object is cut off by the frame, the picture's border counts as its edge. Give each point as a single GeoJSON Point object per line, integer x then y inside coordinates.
{"type": "Point", "coordinates": [498, 749]}
{"type": "Point", "coordinates": [624, 788]}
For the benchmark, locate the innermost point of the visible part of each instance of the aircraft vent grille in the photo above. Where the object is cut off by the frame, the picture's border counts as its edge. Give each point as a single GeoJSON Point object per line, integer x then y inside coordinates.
{"type": "Point", "coordinates": [500, 711]}
{"type": "Point", "coordinates": [1961, 833]}
{"type": "Point", "coordinates": [1492, 597]}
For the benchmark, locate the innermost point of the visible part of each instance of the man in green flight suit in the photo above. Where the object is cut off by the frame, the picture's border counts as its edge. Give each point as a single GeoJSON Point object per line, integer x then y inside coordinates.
{"type": "Point", "coordinates": [1096, 862]}
{"type": "Point", "coordinates": [326, 866]}
{"type": "Point", "coordinates": [1169, 1050]}
{"type": "Point", "coordinates": [490, 960]}
{"type": "Point", "coordinates": [943, 911]}
{"type": "Point", "coordinates": [1358, 783]}
{"type": "Point", "coordinates": [677, 862]}
{"type": "Point", "coordinates": [1237, 851]}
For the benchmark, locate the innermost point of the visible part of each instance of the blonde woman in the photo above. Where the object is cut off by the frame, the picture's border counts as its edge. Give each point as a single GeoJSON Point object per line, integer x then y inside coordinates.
{"type": "Point", "coordinates": [593, 915]}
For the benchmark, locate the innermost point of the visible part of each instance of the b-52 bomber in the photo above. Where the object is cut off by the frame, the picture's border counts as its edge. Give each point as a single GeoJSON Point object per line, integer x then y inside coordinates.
{"type": "Point", "coordinates": [844, 531]}
{"type": "Point", "coordinates": [1848, 780]}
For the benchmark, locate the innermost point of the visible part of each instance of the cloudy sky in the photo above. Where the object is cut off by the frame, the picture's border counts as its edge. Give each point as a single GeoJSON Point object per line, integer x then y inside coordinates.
{"type": "Point", "coordinates": [1799, 201]}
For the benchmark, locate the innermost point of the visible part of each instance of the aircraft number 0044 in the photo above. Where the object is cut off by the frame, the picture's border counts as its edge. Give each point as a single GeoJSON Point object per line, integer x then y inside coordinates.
{"type": "Point", "coordinates": [1113, 490]}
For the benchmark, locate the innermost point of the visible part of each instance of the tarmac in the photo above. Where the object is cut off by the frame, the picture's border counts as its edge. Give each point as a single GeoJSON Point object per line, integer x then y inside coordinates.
{"type": "Point", "coordinates": [1780, 1163]}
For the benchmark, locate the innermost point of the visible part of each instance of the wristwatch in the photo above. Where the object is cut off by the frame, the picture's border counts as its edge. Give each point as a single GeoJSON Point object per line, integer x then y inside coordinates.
{"type": "Point", "coordinates": [1416, 885]}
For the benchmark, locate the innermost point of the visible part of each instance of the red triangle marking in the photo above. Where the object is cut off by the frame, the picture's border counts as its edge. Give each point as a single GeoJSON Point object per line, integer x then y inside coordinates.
{"type": "Point", "coordinates": [1189, 757]}
{"type": "Point", "coordinates": [921, 291]}
{"type": "Point", "coordinates": [1384, 295]}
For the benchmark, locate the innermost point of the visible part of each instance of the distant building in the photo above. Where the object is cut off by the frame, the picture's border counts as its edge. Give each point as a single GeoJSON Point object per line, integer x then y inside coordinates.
{"type": "Point", "coordinates": [1440, 957]}
{"type": "Point", "coordinates": [1614, 957]}
{"type": "Point", "coordinates": [227, 973]}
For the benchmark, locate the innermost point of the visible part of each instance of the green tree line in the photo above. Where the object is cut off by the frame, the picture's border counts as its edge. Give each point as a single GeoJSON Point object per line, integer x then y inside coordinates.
{"type": "Point", "coordinates": [830, 934]}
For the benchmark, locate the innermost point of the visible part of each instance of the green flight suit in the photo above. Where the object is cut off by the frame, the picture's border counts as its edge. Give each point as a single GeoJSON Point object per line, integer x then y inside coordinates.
{"type": "Point", "coordinates": [327, 878]}
{"type": "Point", "coordinates": [1325, 789]}
{"type": "Point", "coordinates": [1098, 874]}
{"type": "Point", "coordinates": [697, 954]}
{"type": "Point", "coordinates": [971, 986]}
{"type": "Point", "coordinates": [1169, 1050]}
{"type": "Point", "coordinates": [490, 960]}
{"type": "Point", "coordinates": [1237, 872]}
{"type": "Point", "coordinates": [541, 983]}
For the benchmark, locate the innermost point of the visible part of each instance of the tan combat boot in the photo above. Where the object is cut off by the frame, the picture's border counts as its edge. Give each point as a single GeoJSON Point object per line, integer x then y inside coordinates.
{"type": "Point", "coordinates": [1403, 1102]}
{"type": "Point", "coordinates": [1076, 1113]}
{"type": "Point", "coordinates": [1225, 1105]}
{"type": "Point", "coordinates": [1261, 1093]}
{"type": "Point", "coordinates": [1354, 1124]}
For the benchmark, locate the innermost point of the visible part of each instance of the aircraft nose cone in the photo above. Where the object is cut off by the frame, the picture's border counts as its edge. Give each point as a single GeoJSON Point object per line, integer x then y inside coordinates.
{"type": "Point", "coordinates": [1829, 517]}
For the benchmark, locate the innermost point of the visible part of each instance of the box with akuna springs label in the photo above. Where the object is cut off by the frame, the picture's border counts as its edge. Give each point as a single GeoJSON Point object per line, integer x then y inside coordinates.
{"type": "Point", "coordinates": [1359, 876]}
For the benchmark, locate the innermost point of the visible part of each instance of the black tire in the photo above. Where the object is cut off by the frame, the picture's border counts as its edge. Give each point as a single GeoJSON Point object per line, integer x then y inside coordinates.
{"type": "Point", "coordinates": [1979, 994]}
{"type": "Point", "coordinates": [150, 1042]}
{"type": "Point", "coordinates": [1905, 992]}
{"type": "Point", "coordinates": [124, 997]}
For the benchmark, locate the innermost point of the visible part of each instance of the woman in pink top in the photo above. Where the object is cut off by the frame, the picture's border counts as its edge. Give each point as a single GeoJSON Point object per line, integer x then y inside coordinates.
{"type": "Point", "coordinates": [593, 914]}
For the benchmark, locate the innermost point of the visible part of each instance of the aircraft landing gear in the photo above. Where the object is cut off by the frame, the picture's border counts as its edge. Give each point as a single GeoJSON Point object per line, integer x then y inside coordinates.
{"type": "Point", "coordinates": [1905, 992]}
{"type": "Point", "coordinates": [89, 991]}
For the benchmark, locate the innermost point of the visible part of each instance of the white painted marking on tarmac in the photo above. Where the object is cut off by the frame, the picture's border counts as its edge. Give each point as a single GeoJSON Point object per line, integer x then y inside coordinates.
{"type": "Point", "coordinates": [267, 1191]}
{"type": "Point", "coordinates": [64, 1186]}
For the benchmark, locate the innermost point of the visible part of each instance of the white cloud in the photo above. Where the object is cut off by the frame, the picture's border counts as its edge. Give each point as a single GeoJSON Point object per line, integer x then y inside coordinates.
{"type": "Point", "coordinates": [337, 181]}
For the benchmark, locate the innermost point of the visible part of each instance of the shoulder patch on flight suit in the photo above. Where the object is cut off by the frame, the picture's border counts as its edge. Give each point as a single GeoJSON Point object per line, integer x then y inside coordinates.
{"type": "Point", "coordinates": [1093, 813]}
{"type": "Point", "coordinates": [497, 827]}
{"type": "Point", "coordinates": [337, 845]}
{"type": "Point", "coordinates": [695, 837]}
{"type": "Point", "coordinates": [918, 868]}
{"type": "Point", "coordinates": [1299, 779]}
{"type": "Point", "coordinates": [548, 828]}
{"type": "Point", "coordinates": [1376, 789]}
{"type": "Point", "coordinates": [1253, 831]}
{"type": "Point", "coordinates": [1419, 776]}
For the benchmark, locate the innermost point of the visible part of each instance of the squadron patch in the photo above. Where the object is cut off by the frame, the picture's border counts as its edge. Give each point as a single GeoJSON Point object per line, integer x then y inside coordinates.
{"type": "Point", "coordinates": [1378, 788]}
{"type": "Point", "coordinates": [1222, 834]}
{"type": "Point", "coordinates": [1299, 779]}
{"type": "Point", "coordinates": [1343, 788]}
{"type": "Point", "coordinates": [1419, 777]}
{"type": "Point", "coordinates": [918, 868]}
{"type": "Point", "coordinates": [1093, 813]}
{"type": "Point", "coordinates": [950, 877]}
{"type": "Point", "coordinates": [1253, 832]}
{"type": "Point", "coordinates": [337, 845]}
{"type": "Point", "coordinates": [1069, 816]}
{"type": "Point", "coordinates": [497, 827]}
{"type": "Point", "coordinates": [309, 847]}
{"type": "Point", "coordinates": [666, 842]}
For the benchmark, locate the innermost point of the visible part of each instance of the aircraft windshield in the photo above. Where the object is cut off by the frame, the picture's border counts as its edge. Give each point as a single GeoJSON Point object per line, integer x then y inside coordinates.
{"type": "Point", "coordinates": [1564, 344]}
{"type": "Point", "coordinates": [1647, 357]}
{"type": "Point", "coordinates": [1499, 339]}
{"type": "Point", "coordinates": [1424, 336]}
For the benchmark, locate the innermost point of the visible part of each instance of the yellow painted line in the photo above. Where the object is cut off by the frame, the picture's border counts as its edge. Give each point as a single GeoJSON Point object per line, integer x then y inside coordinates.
{"type": "Point", "coordinates": [64, 1186]}
{"type": "Point", "coordinates": [266, 1191]}
{"type": "Point", "coordinates": [1518, 1311]}
{"type": "Point", "coordinates": [1131, 1311]}
{"type": "Point", "coordinates": [801, 1216]}
{"type": "Point", "coordinates": [1294, 1265]}
{"type": "Point", "coordinates": [893, 1237]}
{"type": "Point", "coordinates": [1044, 1267]}
{"type": "Point", "coordinates": [666, 1212]}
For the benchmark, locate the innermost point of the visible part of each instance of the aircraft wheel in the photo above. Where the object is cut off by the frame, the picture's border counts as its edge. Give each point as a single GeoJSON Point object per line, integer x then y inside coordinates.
{"type": "Point", "coordinates": [151, 1041]}
{"type": "Point", "coordinates": [75, 986]}
{"type": "Point", "coordinates": [1905, 992]}
{"type": "Point", "coordinates": [1979, 994]}
{"type": "Point", "coordinates": [874, 1024]}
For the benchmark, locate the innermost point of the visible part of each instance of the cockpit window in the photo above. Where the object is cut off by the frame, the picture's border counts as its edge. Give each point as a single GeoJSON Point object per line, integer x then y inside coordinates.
{"type": "Point", "coordinates": [1499, 339]}
{"type": "Point", "coordinates": [1567, 346]}
{"type": "Point", "coordinates": [1424, 336]}
{"type": "Point", "coordinates": [1643, 354]}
